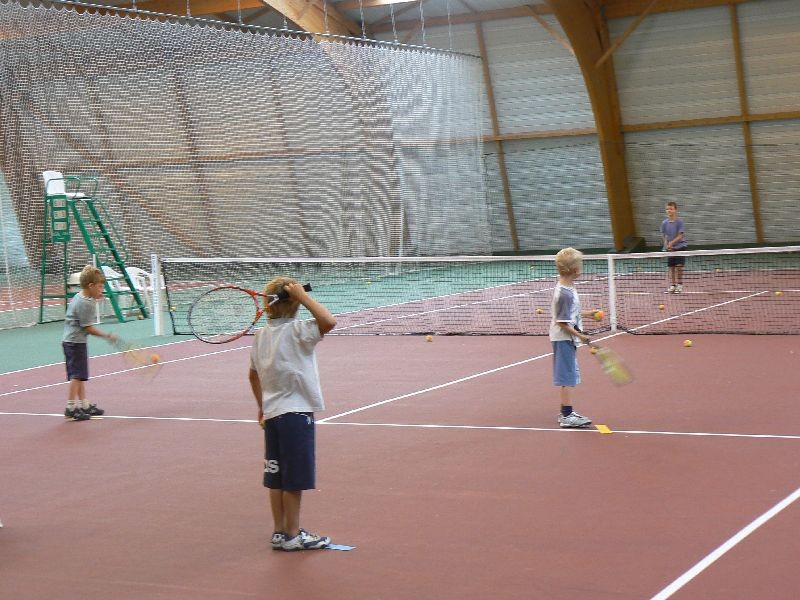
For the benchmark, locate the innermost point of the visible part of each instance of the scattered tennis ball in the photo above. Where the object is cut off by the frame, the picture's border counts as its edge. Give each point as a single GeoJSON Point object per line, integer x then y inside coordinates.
{"type": "Point", "coordinates": [687, 343]}
{"type": "Point", "coordinates": [172, 308]}
{"type": "Point", "coordinates": [140, 317]}
{"type": "Point", "coordinates": [598, 315]}
{"type": "Point", "coordinates": [428, 338]}
{"type": "Point", "coordinates": [718, 270]}
{"type": "Point", "coordinates": [155, 358]}
{"type": "Point", "coordinates": [779, 293]}
{"type": "Point", "coordinates": [660, 307]}
{"type": "Point", "coordinates": [593, 350]}
{"type": "Point", "coordinates": [539, 311]}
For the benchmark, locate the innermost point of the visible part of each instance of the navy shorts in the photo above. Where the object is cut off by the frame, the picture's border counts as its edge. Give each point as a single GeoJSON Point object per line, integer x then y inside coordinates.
{"type": "Point", "coordinates": [565, 364]}
{"type": "Point", "coordinates": [77, 360]}
{"type": "Point", "coordinates": [289, 459]}
{"type": "Point", "coordinates": [676, 261]}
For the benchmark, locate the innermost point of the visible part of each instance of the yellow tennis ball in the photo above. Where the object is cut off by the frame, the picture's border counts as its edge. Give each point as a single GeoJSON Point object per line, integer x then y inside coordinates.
{"type": "Point", "coordinates": [593, 350]}
{"type": "Point", "coordinates": [539, 311]}
{"type": "Point", "coordinates": [140, 317]}
{"type": "Point", "coordinates": [172, 308]}
{"type": "Point", "coordinates": [687, 343]}
{"type": "Point", "coordinates": [428, 338]}
{"type": "Point", "coordinates": [155, 358]}
{"type": "Point", "coordinates": [660, 307]}
{"type": "Point", "coordinates": [779, 293]}
{"type": "Point", "coordinates": [718, 270]}
{"type": "Point", "coordinates": [598, 315]}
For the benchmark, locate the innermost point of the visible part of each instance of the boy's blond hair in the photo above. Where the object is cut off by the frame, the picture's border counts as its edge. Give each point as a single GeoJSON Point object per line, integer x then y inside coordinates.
{"type": "Point", "coordinates": [567, 260]}
{"type": "Point", "coordinates": [282, 308]}
{"type": "Point", "coordinates": [90, 275]}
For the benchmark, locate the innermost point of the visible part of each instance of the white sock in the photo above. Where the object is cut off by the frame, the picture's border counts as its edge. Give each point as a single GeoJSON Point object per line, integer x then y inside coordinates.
{"type": "Point", "coordinates": [85, 404]}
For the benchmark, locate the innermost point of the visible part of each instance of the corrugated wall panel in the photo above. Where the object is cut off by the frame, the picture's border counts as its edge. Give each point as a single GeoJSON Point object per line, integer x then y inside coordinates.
{"type": "Point", "coordinates": [538, 85]}
{"type": "Point", "coordinates": [776, 147]}
{"type": "Point", "coordinates": [704, 170]}
{"type": "Point", "coordinates": [676, 66]}
{"type": "Point", "coordinates": [771, 47]}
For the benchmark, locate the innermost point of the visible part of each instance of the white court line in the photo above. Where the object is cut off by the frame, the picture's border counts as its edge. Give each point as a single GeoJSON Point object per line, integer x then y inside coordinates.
{"type": "Point", "coordinates": [61, 362]}
{"type": "Point", "coordinates": [166, 362]}
{"type": "Point", "coordinates": [438, 426]}
{"type": "Point", "coordinates": [728, 545]}
{"type": "Point", "coordinates": [587, 429]}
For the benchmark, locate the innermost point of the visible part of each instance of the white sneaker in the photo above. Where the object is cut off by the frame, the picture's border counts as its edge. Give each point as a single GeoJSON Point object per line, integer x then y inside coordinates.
{"type": "Point", "coordinates": [671, 289]}
{"type": "Point", "coordinates": [277, 539]}
{"type": "Point", "coordinates": [574, 420]}
{"type": "Point", "coordinates": [678, 289]}
{"type": "Point", "coordinates": [305, 541]}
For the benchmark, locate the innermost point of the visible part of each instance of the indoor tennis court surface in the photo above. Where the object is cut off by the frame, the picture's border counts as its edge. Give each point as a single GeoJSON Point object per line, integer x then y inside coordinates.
{"type": "Point", "coordinates": [440, 461]}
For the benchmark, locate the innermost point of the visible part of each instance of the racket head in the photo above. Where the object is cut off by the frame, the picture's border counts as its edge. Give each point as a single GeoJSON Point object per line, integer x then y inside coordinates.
{"type": "Point", "coordinates": [137, 358]}
{"type": "Point", "coordinates": [614, 366]}
{"type": "Point", "coordinates": [224, 314]}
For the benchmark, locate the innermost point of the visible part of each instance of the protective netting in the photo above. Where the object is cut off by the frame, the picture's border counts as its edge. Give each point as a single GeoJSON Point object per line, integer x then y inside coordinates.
{"type": "Point", "coordinates": [747, 291]}
{"type": "Point", "coordinates": [211, 141]}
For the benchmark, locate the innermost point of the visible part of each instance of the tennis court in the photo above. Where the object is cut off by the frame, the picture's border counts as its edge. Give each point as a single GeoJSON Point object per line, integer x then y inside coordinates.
{"type": "Point", "coordinates": [439, 461]}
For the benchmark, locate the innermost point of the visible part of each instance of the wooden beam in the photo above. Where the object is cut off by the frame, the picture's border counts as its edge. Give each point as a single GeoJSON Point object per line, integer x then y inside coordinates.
{"type": "Point", "coordinates": [752, 172]}
{"type": "Point", "coordinates": [356, 4]}
{"type": "Point", "coordinates": [538, 135]}
{"type": "Point", "coordinates": [615, 9]}
{"type": "Point", "coordinates": [551, 30]}
{"type": "Point", "coordinates": [588, 33]}
{"type": "Point", "coordinates": [464, 18]}
{"type": "Point", "coordinates": [197, 7]}
{"type": "Point", "coordinates": [501, 156]}
{"type": "Point", "coordinates": [630, 29]}
{"type": "Point", "coordinates": [310, 16]}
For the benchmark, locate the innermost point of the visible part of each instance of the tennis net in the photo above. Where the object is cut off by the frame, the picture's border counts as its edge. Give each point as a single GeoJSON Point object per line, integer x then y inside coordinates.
{"type": "Point", "coordinates": [746, 291]}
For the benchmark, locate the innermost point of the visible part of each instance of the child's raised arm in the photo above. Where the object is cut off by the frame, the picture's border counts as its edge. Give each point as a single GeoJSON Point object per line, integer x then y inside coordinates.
{"type": "Point", "coordinates": [325, 320]}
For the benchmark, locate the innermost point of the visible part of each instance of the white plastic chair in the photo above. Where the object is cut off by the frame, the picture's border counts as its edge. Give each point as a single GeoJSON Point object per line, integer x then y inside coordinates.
{"type": "Point", "coordinates": [54, 185]}
{"type": "Point", "coordinates": [143, 282]}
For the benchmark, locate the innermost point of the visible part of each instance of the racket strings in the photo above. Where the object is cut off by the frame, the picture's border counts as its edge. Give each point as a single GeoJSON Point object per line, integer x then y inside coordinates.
{"type": "Point", "coordinates": [223, 313]}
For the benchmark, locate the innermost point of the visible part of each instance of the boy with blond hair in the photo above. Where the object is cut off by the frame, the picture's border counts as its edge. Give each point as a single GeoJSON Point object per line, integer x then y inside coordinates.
{"type": "Point", "coordinates": [285, 382]}
{"type": "Point", "coordinates": [566, 331]}
{"type": "Point", "coordinates": [80, 321]}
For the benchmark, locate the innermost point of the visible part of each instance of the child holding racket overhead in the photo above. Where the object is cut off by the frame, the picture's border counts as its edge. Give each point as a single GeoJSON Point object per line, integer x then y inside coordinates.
{"type": "Point", "coordinates": [566, 332]}
{"type": "Point", "coordinates": [674, 234]}
{"type": "Point", "coordinates": [285, 383]}
{"type": "Point", "coordinates": [80, 321]}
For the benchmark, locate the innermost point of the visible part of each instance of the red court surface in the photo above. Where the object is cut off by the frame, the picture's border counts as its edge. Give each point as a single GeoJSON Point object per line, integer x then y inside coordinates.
{"type": "Point", "coordinates": [441, 462]}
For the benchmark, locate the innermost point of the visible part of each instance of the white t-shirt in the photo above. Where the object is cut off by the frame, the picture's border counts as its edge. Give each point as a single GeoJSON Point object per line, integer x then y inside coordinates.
{"type": "Point", "coordinates": [283, 356]}
{"type": "Point", "coordinates": [566, 308]}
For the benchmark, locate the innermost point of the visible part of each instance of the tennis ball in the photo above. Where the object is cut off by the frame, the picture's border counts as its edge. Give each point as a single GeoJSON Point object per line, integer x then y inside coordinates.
{"type": "Point", "coordinates": [660, 307]}
{"type": "Point", "coordinates": [593, 350]}
{"type": "Point", "coordinates": [428, 338]}
{"type": "Point", "coordinates": [779, 293]}
{"type": "Point", "coordinates": [718, 270]}
{"type": "Point", "coordinates": [687, 343]}
{"type": "Point", "coordinates": [598, 315]}
{"type": "Point", "coordinates": [172, 308]}
{"type": "Point", "coordinates": [155, 358]}
{"type": "Point", "coordinates": [539, 311]}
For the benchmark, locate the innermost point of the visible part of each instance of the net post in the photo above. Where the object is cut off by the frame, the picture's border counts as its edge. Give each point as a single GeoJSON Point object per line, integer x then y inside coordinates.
{"type": "Point", "coordinates": [612, 294]}
{"type": "Point", "coordinates": [158, 317]}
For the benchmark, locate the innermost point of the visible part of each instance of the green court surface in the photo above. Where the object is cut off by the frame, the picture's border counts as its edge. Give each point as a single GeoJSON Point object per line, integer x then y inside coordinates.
{"type": "Point", "coordinates": [38, 345]}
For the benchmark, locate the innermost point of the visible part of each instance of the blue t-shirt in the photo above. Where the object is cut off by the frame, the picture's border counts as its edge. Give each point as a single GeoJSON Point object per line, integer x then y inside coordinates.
{"type": "Point", "coordinates": [670, 230]}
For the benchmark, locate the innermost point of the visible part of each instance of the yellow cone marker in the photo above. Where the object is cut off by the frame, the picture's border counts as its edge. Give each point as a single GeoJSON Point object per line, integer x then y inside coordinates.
{"type": "Point", "coordinates": [603, 429]}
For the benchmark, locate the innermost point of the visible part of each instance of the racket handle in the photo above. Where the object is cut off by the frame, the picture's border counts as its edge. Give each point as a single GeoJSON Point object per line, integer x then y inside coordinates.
{"type": "Point", "coordinates": [283, 295]}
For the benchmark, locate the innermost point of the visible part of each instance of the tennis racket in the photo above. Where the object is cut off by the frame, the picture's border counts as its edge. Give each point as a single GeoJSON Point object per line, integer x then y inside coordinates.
{"type": "Point", "coordinates": [228, 312]}
{"type": "Point", "coordinates": [136, 358]}
{"type": "Point", "coordinates": [613, 365]}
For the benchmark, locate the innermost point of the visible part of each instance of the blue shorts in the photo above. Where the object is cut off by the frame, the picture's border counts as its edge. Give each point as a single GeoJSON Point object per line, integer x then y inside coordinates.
{"type": "Point", "coordinates": [565, 364]}
{"type": "Point", "coordinates": [676, 261]}
{"type": "Point", "coordinates": [76, 357]}
{"type": "Point", "coordinates": [289, 459]}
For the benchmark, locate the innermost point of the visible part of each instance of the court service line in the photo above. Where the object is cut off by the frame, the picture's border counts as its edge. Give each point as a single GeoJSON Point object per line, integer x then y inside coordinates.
{"type": "Point", "coordinates": [587, 430]}
{"type": "Point", "coordinates": [122, 371]}
{"type": "Point", "coordinates": [681, 581]}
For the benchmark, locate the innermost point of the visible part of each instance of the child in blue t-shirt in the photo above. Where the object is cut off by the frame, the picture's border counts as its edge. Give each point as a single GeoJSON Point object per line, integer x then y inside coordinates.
{"type": "Point", "coordinates": [674, 235]}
